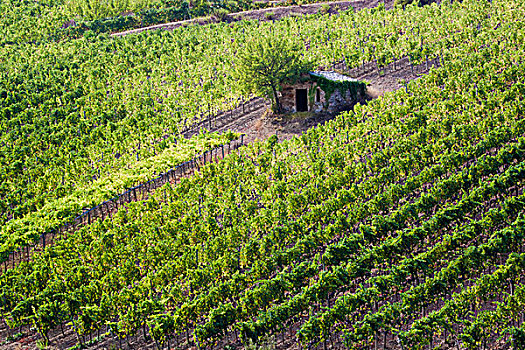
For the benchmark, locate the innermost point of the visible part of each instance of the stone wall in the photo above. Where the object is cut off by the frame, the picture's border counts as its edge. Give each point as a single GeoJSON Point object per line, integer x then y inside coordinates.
{"type": "Point", "coordinates": [339, 102]}
{"type": "Point", "coordinates": [318, 106]}
{"type": "Point", "coordinates": [336, 102]}
{"type": "Point", "coordinates": [288, 96]}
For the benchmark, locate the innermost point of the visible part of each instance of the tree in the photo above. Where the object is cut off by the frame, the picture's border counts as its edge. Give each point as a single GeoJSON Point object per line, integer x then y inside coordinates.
{"type": "Point", "coordinates": [266, 62]}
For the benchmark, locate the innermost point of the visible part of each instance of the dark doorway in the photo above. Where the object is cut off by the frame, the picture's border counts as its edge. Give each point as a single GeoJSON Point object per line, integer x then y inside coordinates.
{"type": "Point", "coordinates": [301, 100]}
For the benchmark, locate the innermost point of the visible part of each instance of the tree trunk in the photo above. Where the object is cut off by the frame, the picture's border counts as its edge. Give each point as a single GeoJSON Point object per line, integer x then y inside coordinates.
{"type": "Point", "coordinates": [276, 100]}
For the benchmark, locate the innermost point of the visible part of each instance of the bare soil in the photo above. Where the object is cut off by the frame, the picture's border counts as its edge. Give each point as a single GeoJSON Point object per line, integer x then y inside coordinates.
{"type": "Point", "coordinates": [261, 123]}
{"type": "Point", "coordinates": [269, 14]}
{"type": "Point", "coordinates": [389, 78]}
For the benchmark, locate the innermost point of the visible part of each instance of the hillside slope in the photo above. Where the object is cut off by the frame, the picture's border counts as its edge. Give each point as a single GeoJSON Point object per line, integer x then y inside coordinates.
{"type": "Point", "coordinates": [399, 224]}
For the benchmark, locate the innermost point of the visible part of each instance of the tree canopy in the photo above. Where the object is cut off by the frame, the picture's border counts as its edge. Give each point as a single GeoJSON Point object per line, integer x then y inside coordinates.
{"type": "Point", "coordinates": [266, 62]}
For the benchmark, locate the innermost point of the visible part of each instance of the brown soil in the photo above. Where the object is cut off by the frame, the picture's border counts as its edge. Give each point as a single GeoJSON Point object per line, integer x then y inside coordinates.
{"type": "Point", "coordinates": [261, 124]}
{"type": "Point", "coordinates": [268, 14]}
{"type": "Point", "coordinates": [388, 79]}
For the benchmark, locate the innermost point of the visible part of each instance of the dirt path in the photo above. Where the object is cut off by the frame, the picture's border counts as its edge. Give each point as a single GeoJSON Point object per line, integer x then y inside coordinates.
{"type": "Point", "coordinates": [268, 14]}
{"type": "Point", "coordinates": [388, 79]}
{"type": "Point", "coordinates": [259, 124]}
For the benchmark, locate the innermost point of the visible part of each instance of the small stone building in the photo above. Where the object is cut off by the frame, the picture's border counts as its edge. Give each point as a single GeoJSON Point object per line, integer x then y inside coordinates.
{"type": "Point", "coordinates": [322, 91]}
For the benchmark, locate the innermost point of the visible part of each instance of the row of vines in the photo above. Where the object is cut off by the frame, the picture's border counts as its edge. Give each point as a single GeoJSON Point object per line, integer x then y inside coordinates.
{"type": "Point", "coordinates": [75, 112]}
{"type": "Point", "coordinates": [396, 225]}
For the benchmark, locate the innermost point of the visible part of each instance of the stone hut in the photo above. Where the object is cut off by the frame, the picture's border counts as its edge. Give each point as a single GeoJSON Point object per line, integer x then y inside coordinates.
{"type": "Point", "coordinates": [322, 91]}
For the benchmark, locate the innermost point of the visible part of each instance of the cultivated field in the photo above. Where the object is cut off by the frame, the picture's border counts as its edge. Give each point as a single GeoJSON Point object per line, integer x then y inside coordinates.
{"type": "Point", "coordinates": [185, 215]}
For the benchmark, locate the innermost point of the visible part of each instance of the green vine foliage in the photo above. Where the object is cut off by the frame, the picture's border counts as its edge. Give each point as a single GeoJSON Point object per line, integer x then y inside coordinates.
{"type": "Point", "coordinates": [400, 220]}
{"type": "Point", "coordinates": [356, 88]}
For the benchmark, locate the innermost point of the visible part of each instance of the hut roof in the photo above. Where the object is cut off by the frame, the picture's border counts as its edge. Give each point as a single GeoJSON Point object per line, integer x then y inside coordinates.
{"type": "Point", "coordinates": [330, 75]}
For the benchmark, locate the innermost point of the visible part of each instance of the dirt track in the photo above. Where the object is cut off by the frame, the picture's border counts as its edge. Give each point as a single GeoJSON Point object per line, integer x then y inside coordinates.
{"type": "Point", "coordinates": [259, 125]}
{"type": "Point", "coordinates": [263, 14]}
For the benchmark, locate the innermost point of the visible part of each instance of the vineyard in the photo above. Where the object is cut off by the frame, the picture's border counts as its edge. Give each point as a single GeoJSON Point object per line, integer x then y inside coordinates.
{"type": "Point", "coordinates": [396, 225]}
{"type": "Point", "coordinates": [55, 20]}
{"type": "Point", "coordinates": [105, 106]}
